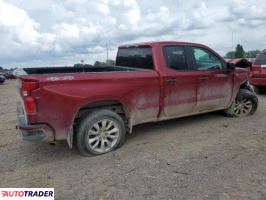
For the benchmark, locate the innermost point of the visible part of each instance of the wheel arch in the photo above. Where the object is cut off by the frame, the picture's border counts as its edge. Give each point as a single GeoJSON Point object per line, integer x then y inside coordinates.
{"type": "Point", "coordinates": [113, 105]}
{"type": "Point", "coordinates": [244, 85]}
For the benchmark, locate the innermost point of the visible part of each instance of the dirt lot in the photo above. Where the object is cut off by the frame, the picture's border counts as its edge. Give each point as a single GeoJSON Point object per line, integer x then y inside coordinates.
{"type": "Point", "coordinates": [201, 157]}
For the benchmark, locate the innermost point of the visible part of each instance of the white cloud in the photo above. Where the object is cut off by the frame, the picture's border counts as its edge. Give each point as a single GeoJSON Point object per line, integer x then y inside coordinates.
{"type": "Point", "coordinates": [16, 26]}
{"type": "Point", "coordinates": [64, 32]}
{"type": "Point", "coordinates": [19, 35]}
{"type": "Point", "coordinates": [251, 13]}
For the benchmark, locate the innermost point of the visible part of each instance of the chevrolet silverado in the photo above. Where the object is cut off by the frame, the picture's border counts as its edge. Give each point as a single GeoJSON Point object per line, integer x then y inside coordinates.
{"type": "Point", "coordinates": [97, 106]}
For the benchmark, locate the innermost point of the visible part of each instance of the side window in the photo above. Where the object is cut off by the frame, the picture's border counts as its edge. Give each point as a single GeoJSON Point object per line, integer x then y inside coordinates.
{"type": "Point", "coordinates": [206, 60]}
{"type": "Point", "coordinates": [135, 57]}
{"type": "Point", "coordinates": [175, 57]}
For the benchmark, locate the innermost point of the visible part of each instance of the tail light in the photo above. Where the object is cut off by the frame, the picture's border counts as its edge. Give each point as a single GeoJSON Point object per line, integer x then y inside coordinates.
{"type": "Point", "coordinates": [29, 101]}
{"type": "Point", "coordinates": [27, 87]}
{"type": "Point", "coordinates": [30, 105]}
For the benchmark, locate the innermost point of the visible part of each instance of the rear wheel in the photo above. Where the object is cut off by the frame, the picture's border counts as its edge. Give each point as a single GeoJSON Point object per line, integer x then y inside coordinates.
{"type": "Point", "coordinates": [100, 132]}
{"type": "Point", "coordinates": [260, 89]}
{"type": "Point", "coordinates": [246, 103]}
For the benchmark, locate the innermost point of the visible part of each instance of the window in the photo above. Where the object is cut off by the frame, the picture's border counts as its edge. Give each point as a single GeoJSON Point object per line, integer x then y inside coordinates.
{"type": "Point", "coordinates": [136, 57]}
{"type": "Point", "coordinates": [261, 60]}
{"type": "Point", "coordinates": [206, 60]}
{"type": "Point", "coordinates": [175, 57]}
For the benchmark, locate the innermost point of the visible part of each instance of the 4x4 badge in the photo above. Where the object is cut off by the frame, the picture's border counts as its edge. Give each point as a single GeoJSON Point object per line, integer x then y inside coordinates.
{"type": "Point", "coordinates": [64, 78]}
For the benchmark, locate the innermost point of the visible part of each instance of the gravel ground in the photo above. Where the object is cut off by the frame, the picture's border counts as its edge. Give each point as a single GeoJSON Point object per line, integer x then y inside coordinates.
{"type": "Point", "coordinates": [202, 157]}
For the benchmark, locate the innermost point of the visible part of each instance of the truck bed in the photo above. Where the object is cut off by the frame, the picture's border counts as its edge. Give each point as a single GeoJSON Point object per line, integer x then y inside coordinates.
{"type": "Point", "coordinates": [68, 70]}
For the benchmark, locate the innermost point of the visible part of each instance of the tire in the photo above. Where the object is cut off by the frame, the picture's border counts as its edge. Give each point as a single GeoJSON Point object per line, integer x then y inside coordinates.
{"type": "Point", "coordinates": [246, 103]}
{"type": "Point", "coordinates": [260, 89]}
{"type": "Point", "coordinates": [104, 128]}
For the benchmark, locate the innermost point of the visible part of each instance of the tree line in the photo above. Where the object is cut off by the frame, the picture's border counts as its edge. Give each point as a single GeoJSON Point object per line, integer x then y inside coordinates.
{"type": "Point", "coordinates": [97, 63]}
{"type": "Point", "coordinates": [239, 52]}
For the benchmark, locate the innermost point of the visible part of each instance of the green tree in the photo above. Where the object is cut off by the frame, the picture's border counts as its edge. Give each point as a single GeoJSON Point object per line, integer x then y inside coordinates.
{"type": "Point", "coordinates": [98, 63]}
{"type": "Point", "coordinates": [106, 63]}
{"type": "Point", "coordinates": [252, 54]}
{"type": "Point", "coordinates": [82, 65]}
{"type": "Point", "coordinates": [78, 65]}
{"type": "Point", "coordinates": [110, 62]}
{"type": "Point", "coordinates": [239, 51]}
{"type": "Point", "coordinates": [1, 68]}
{"type": "Point", "coordinates": [230, 55]}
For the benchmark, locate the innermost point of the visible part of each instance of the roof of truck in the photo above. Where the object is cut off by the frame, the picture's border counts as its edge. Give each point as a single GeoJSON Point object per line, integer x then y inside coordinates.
{"type": "Point", "coordinates": [152, 43]}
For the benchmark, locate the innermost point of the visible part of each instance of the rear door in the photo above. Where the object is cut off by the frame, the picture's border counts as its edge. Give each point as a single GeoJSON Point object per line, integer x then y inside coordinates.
{"type": "Point", "coordinates": [179, 82]}
{"type": "Point", "coordinates": [215, 86]}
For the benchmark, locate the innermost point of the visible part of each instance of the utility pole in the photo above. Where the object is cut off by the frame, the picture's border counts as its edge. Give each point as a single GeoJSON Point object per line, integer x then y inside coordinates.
{"type": "Point", "coordinates": [107, 49]}
{"type": "Point", "coordinates": [232, 40]}
{"type": "Point", "coordinates": [233, 56]}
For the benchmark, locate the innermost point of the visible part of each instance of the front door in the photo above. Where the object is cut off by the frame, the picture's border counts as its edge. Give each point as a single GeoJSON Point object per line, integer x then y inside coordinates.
{"type": "Point", "coordinates": [214, 85]}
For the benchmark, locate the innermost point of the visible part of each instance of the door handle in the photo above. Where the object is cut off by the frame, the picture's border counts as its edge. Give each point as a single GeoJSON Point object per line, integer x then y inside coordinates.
{"type": "Point", "coordinates": [204, 78]}
{"type": "Point", "coordinates": [171, 80]}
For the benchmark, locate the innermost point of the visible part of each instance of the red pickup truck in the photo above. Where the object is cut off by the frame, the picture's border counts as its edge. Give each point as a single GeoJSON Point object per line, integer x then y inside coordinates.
{"type": "Point", "coordinates": [97, 106]}
{"type": "Point", "coordinates": [258, 73]}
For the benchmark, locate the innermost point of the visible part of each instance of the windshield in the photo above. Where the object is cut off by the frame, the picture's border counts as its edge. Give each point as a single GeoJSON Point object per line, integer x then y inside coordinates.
{"type": "Point", "coordinates": [261, 59]}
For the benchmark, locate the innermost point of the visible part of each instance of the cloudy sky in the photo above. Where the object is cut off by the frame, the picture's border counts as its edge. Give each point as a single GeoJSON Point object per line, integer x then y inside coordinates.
{"type": "Point", "coordinates": [63, 32]}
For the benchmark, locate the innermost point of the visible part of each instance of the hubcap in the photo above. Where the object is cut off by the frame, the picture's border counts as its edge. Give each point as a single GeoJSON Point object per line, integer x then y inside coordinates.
{"type": "Point", "coordinates": [242, 107]}
{"type": "Point", "coordinates": [103, 135]}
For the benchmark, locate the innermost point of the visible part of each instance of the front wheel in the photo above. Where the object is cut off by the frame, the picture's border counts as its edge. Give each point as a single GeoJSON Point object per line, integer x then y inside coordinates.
{"type": "Point", "coordinates": [246, 103]}
{"type": "Point", "coordinates": [100, 132]}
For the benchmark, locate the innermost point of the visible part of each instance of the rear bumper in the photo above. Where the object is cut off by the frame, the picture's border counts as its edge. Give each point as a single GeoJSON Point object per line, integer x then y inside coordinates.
{"type": "Point", "coordinates": [258, 81]}
{"type": "Point", "coordinates": [32, 132]}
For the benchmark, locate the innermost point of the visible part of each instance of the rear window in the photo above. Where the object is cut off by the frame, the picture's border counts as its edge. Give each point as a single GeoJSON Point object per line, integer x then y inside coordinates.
{"type": "Point", "coordinates": [137, 57]}
{"type": "Point", "coordinates": [261, 59]}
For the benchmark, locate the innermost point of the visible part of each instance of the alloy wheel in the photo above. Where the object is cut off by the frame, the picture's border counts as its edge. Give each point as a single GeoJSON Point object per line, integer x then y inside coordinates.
{"type": "Point", "coordinates": [243, 107]}
{"type": "Point", "coordinates": [103, 135]}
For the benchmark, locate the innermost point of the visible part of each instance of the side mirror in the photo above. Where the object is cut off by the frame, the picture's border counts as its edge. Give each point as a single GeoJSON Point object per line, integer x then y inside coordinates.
{"type": "Point", "coordinates": [230, 67]}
